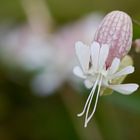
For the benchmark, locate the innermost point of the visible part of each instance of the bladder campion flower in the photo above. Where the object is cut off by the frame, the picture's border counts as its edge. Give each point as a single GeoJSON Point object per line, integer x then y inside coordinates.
{"type": "Point", "coordinates": [100, 62]}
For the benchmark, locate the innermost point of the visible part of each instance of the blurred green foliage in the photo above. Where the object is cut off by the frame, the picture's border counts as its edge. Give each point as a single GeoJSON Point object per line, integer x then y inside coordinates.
{"type": "Point", "coordinates": [136, 29]}
{"type": "Point", "coordinates": [24, 116]}
{"type": "Point", "coordinates": [65, 10]}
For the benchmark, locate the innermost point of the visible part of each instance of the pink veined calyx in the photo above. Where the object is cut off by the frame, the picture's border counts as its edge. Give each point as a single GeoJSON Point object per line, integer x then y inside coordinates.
{"type": "Point", "coordinates": [100, 61]}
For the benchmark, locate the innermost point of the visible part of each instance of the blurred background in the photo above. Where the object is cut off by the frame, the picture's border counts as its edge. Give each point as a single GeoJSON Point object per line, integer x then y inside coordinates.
{"type": "Point", "coordinates": [39, 95]}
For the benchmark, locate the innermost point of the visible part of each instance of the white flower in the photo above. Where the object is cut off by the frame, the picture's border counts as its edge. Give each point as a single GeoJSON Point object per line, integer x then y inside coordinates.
{"type": "Point", "coordinates": [96, 73]}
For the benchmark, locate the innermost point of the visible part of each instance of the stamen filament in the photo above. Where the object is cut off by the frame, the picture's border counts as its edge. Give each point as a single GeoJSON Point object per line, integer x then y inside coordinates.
{"type": "Point", "coordinates": [89, 97]}
{"type": "Point", "coordinates": [96, 101]}
{"type": "Point", "coordinates": [93, 91]}
{"type": "Point", "coordinates": [82, 113]}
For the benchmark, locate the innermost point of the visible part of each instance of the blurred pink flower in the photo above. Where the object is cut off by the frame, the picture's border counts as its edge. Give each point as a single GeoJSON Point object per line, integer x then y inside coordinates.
{"type": "Point", "coordinates": [136, 44]}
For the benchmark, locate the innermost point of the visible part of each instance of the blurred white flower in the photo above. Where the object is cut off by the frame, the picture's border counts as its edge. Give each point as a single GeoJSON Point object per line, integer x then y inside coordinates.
{"type": "Point", "coordinates": [63, 60]}
{"type": "Point", "coordinates": [46, 82]}
{"type": "Point", "coordinates": [28, 50]}
{"type": "Point", "coordinates": [51, 54]}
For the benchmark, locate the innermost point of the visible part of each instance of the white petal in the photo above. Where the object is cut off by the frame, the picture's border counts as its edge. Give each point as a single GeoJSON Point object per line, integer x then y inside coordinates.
{"type": "Point", "coordinates": [125, 71]}
{"type": "Point", "coordinates": [88, 84]}
{"type": "Point", "coordinates": [95, 49]}
{"type": "Point", "coordinates": [103, 55]}
{"type": "Point", "coordinates": [125, 89]}
{"type": "Point", "coordinates": [114, 66]}
{"type": "Point", "coordinates": [78, 72]}
{"type": "Point", "coordinates": [83, 54]}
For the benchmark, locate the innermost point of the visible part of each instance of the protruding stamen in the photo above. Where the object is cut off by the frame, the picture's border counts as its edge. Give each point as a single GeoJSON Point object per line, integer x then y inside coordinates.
{"type": "Point", "coordinates": [95, 105]}
{"type": "Point", "coordinates": [89, 98]}
{"type": "Point", "coordinates": [82, 113]}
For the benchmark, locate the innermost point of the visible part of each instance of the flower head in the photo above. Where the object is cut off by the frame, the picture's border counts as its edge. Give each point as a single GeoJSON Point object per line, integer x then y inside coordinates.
{"type": "Point", "coordinates": [100, 61]}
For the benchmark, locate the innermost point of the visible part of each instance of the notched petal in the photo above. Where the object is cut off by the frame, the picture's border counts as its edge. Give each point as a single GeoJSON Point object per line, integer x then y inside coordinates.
{"type": "Point", "coordinates": [125, 89]}
{"type": "Point", "coordinates": [88, 84]}
{"type": "Point", "coordinates": [83, 54]}
{"type": "Point", "coordinates": [95, 49]}
{"type": "Point", "coordinates": [78, 72]}
{"type": "Point", "coordinates": [127, 70]}
{"type": "Point", "coordinates": [103, 55]}
{"type": "Point", "coordinates": [114, 66]}
{"type": "Point", "coordinates": [126, 61]}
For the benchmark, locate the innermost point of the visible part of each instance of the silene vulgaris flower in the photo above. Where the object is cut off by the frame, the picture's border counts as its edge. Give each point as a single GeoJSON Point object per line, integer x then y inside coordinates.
{"type": "Point", "coordinates": [104, 63]}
